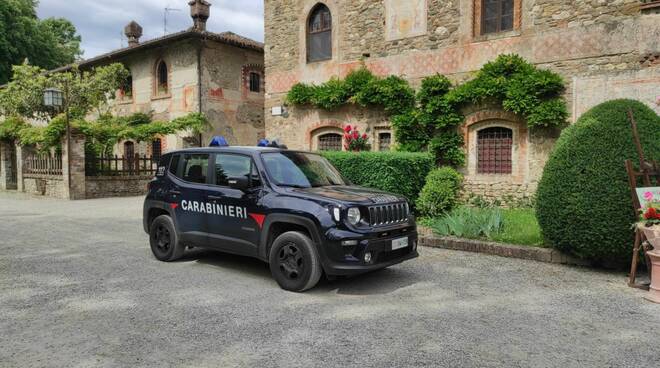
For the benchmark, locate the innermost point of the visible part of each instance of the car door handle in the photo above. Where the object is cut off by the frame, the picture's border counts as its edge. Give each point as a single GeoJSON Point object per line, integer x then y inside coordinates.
{"type": "Point", "coordinates": [214, 198]}
{"type": "Point", "coordinates": [175, 192]}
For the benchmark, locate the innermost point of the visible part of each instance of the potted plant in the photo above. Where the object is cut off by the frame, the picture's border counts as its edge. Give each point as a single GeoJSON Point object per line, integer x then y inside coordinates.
{"type": "Point", "coordinates": [650, 223]}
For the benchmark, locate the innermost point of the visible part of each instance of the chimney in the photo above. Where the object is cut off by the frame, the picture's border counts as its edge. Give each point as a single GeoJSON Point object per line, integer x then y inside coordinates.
{"type": "Point", "coordinates": [200, 10]}
{"type": "Point", "coordinates": [133, 32]}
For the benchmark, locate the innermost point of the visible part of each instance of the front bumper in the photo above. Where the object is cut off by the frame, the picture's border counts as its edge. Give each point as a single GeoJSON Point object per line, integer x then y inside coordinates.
{"type": "Point", "coordinates": [350, 260]}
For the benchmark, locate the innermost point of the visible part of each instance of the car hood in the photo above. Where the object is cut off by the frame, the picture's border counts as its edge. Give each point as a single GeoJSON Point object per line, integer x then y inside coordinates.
{"type": "Point", "coordinates": [352, 194]}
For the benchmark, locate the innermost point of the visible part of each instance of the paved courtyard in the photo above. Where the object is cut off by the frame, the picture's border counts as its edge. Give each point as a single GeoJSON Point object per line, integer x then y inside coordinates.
{"type": "Point", "coordinates": [80, 288]}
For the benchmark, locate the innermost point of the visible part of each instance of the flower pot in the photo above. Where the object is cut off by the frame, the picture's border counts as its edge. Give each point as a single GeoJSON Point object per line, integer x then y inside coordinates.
{"type": "Point", "coordinates": [654, 289]}
{"type": "Point", "coordinates": [652, 234]}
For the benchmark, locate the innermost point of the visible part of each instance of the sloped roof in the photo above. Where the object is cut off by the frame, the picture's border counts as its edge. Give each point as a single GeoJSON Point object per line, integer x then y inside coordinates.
{"type": "Point", "coordinates": [228, 38]}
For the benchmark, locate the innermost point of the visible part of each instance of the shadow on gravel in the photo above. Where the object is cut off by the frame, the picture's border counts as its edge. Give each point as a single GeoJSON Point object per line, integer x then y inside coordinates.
{"type": "Point", "coordinates": [374, 283]}
{"type": "Point", "coordinates": [246, 265]}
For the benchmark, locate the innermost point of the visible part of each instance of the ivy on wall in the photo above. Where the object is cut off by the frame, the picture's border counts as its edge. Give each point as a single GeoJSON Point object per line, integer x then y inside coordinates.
{"type": "Point", "coordinates": [428, 119]}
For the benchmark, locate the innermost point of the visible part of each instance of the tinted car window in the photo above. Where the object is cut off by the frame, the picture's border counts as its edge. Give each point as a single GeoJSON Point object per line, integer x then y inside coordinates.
{"type": "Point", "coordinates": [194, 168]}
{"type": "Point", "coordinates": [174, 164]}
{"type": "Point", "coordinates": [300, 169]}
{"type": "Point", "coordinates": [231, 166]}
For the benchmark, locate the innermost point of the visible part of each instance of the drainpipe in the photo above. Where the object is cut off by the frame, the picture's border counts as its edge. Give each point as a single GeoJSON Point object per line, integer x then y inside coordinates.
{"type": "Point", "coordinates": [199, 83]}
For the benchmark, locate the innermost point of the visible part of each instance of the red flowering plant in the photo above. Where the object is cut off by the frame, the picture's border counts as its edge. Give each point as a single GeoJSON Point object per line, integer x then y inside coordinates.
{"type": "Point", "coordinates": [355, 142]}
{"type": "Point", "coordinates": [651, 214]}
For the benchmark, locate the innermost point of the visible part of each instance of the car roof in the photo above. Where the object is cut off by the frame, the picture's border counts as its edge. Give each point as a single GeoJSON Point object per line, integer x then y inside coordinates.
{"type": "Point", "coordinates": [230, 149]}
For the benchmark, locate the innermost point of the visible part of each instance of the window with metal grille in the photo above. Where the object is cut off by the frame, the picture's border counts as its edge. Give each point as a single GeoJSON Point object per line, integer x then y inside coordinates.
{"type": "Point", "coordinates": [384, 141]}
{"type": "Point", "coordinates": [255, 82]}
{"type": "Point", "coordinates": [494, 151]}
{"type": "Point", "coordinates": [496, 16]}
{"type": "Point", "coordinates": [319, 34]}
{"type": "Point", "coordinates": [330, 142]}
{"type": "Point", "coordinates": [156, 149]}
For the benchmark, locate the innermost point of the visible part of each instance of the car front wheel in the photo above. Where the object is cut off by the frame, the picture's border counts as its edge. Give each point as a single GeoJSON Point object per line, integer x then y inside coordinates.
{"type": "Point", "coordinates": [294, 262]}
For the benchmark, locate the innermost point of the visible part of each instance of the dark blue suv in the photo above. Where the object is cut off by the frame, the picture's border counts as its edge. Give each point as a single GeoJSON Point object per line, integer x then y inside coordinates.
{"type": "Point", "coordinates": [290, 209]}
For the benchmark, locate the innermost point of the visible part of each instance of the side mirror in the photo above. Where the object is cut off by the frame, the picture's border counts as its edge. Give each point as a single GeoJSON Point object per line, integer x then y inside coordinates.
{"type": "Point", "coordinates": [240, 183]}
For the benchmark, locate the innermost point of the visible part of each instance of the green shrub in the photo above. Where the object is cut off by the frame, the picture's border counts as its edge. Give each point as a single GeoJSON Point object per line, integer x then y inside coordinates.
{"type": "Point", "coordinates": [469, 222]}
{"type": "Point", "coordinates": [440, 193]}
{"type": "Point", "coordinates": [584, 204]}
{"type": "Point", "coordinates": [397, 172]}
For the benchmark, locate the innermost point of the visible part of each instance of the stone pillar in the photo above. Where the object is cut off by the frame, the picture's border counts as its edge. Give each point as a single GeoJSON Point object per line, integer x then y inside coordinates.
{"type": "Point", "coordinates": [5, 166]}
{"type": "Point", "coordinates": [73, 166]}
{"type": "Point", "coordinates": [21, 154]}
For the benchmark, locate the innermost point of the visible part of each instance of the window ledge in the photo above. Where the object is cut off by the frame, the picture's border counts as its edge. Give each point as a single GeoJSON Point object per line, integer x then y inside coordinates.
{"type": "Point", "coordinates": [161, 97]}
{"type": "Point", "coordinates": [496, 36]}
{"type": "Point", "coordinates": [318, 61]}
{"type": "Point", "coordinates": [125, 102]}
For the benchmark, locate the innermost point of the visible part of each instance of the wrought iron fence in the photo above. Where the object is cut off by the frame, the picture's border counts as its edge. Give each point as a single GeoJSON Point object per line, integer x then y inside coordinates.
{"type": "Point", "coordinates": [43, 164]}
{"type": "Point", "coordinates": [120, 166]}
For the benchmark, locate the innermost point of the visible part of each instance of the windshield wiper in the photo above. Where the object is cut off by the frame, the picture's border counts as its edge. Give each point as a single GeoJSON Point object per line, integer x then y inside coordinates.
{"type": "Point", "coordinates": [294, 186]}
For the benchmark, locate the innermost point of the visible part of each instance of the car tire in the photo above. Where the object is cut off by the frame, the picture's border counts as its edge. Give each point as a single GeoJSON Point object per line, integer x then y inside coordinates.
{"type": "Point", "coordinates": [294, 262]}
{"type": "Point", "coordinates": [164, 241]}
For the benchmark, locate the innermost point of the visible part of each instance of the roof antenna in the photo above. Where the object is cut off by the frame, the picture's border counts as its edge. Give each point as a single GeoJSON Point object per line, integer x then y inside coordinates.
{"type": "Point", "coordinates": [167, 10]}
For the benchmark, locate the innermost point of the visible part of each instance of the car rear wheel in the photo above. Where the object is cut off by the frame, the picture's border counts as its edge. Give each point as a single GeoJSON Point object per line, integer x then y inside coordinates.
{"type": "Point", "coordinates": [165, 243]}
{"type": "Point", "coordinates": [294, 262]}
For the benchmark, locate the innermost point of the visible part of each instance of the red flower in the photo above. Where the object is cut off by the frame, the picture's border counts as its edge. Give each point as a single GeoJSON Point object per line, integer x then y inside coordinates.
{"type": "Point", "coordinates": [364, 136]}
{"type": "Point", "coordinates": [348, 128]}
{"type": "Point", "coordinates": [356, 134]}
{"type": "Point", "coordinates": [651, 214]}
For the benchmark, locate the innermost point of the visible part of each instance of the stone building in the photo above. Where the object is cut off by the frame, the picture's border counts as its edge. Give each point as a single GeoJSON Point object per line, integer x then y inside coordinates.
{"type": "Point", "coordinates": [218, 74]}
{"type": "Point", "coordinates": [604, 49]}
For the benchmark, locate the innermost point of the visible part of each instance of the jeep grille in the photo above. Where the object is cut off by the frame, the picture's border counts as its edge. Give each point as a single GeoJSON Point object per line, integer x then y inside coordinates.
{"type": "Point", "coordinates": [388, 214]}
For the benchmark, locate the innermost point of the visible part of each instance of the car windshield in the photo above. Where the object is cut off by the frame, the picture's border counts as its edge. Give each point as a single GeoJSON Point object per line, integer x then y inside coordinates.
{"type": "Point", "coordinates": [301, 170]}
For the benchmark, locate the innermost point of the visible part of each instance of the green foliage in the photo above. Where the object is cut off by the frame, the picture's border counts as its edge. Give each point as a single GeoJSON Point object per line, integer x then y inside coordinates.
{"type": "Point", "coordinates": [429, 119]}
{"type": "Point", "coordinates": [10, 128]}
{"type": "Point", "coordinates": [521, 88]}
{"type": "Point", "coordinates": [468, 222]}
{"type": "Point", "coordinates": [91, 90]}
{"type": "Point", "coordinates": [440, 193]}
{"type": "Point", "coordinates": [393, 93]}
{"type": "Point", "coordinates": [359, 87]}
{"type": "Point", "coordinates": [503, 225]}
{"type": "Point", "coordinates": [584, 204]}
{"type": "Point", "coordinates": [397, 172]}
{"type": "Point", "coordinates": [46, 43]}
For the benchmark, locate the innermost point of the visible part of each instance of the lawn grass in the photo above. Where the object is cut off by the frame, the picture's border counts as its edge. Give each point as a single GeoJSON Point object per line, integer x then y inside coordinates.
{"type": "Point", "coordinates": [519, 227]}
{"type": "Point", "coordinates": [504, 225]}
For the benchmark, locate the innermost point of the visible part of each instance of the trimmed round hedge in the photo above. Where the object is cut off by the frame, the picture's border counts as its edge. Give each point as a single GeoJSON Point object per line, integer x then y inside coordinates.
{"type": "Point", "coordinates": [440, 194]}
{"type": "Point", "coordinates": [584, 204]}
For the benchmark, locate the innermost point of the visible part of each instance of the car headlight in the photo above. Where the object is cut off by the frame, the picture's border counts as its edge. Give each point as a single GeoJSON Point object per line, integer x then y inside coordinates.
{"type": "Point", "coordinates": [354, 216]}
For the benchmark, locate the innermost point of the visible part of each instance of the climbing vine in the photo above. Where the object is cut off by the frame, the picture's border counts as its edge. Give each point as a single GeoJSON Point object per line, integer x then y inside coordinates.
{"type": "Point", "coordinates": [101, 134]}
{"type": "Point", "coordinates": [428, 120]}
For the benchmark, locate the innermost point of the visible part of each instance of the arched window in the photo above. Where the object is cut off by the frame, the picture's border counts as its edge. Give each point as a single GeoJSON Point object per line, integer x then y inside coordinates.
{"type": "Point", "coordinates": [127, 87]}
{"type": "Point", "coordinates": [330, 142]}
{"type": "Point", "coordinates": [162, 78]}
{"type": "Point", "coordinates": [319, 34]}
{"type": "Point", "coordinates": [494, 151]}
{"type": "Point", "coordinates": [156, 149]}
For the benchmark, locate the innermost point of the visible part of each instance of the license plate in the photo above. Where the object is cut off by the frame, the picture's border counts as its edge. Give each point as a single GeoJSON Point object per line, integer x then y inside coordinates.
{"type": "Point", "coordinates": [399, 243]}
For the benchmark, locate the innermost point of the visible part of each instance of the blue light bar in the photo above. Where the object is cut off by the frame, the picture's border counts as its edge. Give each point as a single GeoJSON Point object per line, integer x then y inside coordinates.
{"type": "Point", "coordinates": [219, 141]}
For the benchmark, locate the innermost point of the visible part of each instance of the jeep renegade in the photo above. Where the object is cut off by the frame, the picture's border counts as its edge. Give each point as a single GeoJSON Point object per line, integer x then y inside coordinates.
{"type": "Point", "coordinates": [290, 209]}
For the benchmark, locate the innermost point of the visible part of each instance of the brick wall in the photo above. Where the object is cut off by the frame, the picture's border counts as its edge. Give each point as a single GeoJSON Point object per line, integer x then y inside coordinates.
{"type": "Point", "coordinates": [105, 187]}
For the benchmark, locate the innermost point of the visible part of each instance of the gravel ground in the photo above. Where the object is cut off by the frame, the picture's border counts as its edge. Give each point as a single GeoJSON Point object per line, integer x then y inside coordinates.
{"type": "Point", "coordinates": [80, 288]}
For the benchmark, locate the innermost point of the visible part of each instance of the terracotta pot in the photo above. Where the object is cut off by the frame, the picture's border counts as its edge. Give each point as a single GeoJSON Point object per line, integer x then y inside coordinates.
{"type": "Point", "coordinates": [652, 234]}
{"type": "Point", "coordinates": [654, 289]}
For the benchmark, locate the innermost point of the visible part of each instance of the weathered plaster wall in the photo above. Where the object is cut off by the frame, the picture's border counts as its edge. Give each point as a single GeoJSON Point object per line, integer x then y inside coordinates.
{"type": "Point", "coordinates": [45, 185]}
{"type": "Point", "coordinates": [233, 110]}
{"type": "Point", "coordinates": [604, 49]}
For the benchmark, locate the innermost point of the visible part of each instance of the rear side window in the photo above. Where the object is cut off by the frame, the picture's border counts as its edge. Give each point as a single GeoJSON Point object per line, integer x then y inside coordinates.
{"type": "Point", "coordinates": [174, 164]}
{"type": "Point", "coordinates": [231, 166]}
{"type": "Point", "coordinates": [194, 168]}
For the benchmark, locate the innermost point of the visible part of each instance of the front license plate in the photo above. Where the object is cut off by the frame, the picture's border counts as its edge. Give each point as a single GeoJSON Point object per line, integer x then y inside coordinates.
{"type": "Point", "coordinates": [399, 243]}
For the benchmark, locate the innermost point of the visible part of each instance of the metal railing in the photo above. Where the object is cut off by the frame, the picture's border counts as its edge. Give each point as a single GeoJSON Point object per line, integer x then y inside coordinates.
{"type": "Point", "coordinates": [43, 164]}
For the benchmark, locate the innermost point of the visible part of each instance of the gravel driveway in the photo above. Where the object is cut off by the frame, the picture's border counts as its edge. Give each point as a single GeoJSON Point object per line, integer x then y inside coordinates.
{"type": "Point", "coordinates": [80, 288]}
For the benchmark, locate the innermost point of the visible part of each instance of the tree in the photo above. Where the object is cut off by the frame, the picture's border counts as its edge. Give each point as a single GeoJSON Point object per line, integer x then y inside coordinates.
{"type": "Point", "coordinates": [48, 44]}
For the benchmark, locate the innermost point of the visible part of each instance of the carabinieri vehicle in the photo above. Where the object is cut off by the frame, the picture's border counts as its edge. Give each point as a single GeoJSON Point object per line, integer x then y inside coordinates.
{"type": "Point", "coordinates": [290, 209]}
